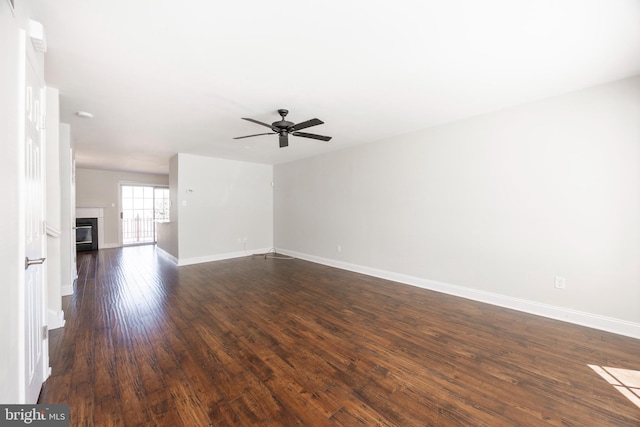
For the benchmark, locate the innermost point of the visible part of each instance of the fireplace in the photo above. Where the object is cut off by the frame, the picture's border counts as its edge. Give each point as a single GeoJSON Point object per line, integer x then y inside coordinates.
{"type": "Point", "coordinates": [86, 234]}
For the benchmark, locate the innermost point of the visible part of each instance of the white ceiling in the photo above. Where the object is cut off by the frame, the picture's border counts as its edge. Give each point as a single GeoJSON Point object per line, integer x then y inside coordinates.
{"type": "Point", "coordinates": [163, 76]}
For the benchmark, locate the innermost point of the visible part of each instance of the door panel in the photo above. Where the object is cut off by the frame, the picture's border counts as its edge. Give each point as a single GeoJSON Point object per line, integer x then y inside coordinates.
{"type": "Point", "coordinates": [36, 351]}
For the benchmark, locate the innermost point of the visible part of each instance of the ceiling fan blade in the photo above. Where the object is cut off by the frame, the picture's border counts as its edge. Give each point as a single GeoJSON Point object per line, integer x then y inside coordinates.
{"type": "Point", "coordinates": [284, 140]}
{"type": "Point", "coordinates": [249, 136]}
{"type": "Point", "coordinates": [312, 135]}
{"type": "Point", "coordinates": [304, 125]}
{"type": "Point", "coordinates": [260, 123]}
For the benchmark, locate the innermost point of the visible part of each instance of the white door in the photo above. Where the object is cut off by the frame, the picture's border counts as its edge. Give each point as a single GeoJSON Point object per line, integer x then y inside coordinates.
{"type": "Point", "coordinates": [36, 345]}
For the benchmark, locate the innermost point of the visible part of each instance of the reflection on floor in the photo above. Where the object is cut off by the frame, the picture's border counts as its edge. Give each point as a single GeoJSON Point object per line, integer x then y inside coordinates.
{"type": "Point", "coordinates": [626, 381]}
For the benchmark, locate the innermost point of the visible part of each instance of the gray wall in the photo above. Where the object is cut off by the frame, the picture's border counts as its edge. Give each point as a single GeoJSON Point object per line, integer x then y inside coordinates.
{"type": "Point", "coordinates": [224, 208]}
{"type": "Point", "coordinates": [100, 189]}
{"type": "Point", "coordinates": [168, 237]}
{"type": "Point", "coordinates": [500, 203]}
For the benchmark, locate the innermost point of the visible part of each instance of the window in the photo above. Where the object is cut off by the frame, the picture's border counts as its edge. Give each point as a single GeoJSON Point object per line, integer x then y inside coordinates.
{"type": "Point", "coordinates": [142, 207]}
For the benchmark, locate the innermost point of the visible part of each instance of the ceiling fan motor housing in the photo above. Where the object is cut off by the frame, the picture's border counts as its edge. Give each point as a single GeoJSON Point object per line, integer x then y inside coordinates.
{"type": "Point", "coordinates": [282, 125]}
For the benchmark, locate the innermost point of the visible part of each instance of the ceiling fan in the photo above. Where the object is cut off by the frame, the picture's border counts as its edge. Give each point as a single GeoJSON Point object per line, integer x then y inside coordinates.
{"type": "Point", "coordinates": [284, 128]}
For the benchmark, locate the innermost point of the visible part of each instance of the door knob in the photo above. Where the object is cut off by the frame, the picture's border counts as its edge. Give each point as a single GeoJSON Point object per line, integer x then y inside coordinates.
{"type": "Point", "coordinates": [28, 262]}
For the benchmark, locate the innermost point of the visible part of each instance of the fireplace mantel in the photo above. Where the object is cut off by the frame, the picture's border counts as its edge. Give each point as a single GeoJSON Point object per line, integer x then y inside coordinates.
{"type": "Point", "coordinates": [89, 213]}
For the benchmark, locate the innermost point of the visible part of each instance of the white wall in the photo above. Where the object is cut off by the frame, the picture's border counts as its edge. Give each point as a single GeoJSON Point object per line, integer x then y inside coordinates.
{"type": "Point", "coordinates": [11, 220]}
{"type": "Point", "coordinates": [68, 270]}
{"type": "Point", "coordinates": [54, 209]}
{"type": "Point", "coordinates": [9, 224]}
{"type": "Point", "coordinates": [99, 189]}
{"type": "Point", "coordinates": [53, 158]}
{"type": "Point", "coordinates": [500, 204]}
{"type": "Point", "coordinates": [221, 203]}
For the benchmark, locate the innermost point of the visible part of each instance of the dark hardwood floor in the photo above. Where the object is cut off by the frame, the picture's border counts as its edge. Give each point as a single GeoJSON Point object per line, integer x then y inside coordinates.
{"type": "Point", "coordinates": [254, 341]}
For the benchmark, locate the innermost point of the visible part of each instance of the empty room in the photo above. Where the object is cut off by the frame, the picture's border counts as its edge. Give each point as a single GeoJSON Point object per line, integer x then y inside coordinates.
{"type": "Point", "coordinates": [332, 214]}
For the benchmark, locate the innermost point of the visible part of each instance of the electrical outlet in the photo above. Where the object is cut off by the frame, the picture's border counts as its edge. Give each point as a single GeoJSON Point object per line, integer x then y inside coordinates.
{"type": "Point", "coordinates": [339, 248]}
{"type": "Point", "coordinates": [560, 282]}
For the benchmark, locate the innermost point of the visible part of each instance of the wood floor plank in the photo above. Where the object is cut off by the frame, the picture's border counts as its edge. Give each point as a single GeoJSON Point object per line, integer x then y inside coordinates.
{"type": "Point", "coordinates": [106, 376]}
{"type": "Point", "coordinates": [187, 404]}
{"type": "Point", "coordinates": [109, 412]}
{"type": "Point", "coordinates": [254, 341]}
{"type": "Point", "coordinates": [163, 410]}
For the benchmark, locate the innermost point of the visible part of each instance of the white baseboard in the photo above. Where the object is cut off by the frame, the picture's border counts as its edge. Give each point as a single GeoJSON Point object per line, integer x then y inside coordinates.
{"type": "Point", "coordinates": [55, 319]}
{"type": "Point", "coordinates": [604, 323]}
{"type": "Point", "coordinates": [167, 254]}
{"type": "Point", "coordinates": [109, 245]}
{"type": "Point", "coordinates": [219, 257]}
{"type": "Point", "coordinates": [66, 290]}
